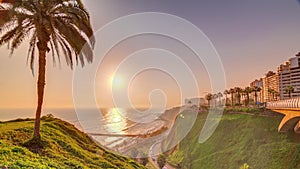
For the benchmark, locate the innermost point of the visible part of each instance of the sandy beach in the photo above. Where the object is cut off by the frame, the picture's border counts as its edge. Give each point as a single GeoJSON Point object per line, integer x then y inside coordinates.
{"type": "Point", "coordinates": [148, 133]}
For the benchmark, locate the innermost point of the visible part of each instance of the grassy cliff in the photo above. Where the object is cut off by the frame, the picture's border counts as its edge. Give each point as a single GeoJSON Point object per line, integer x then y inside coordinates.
{"type": "Point", "coordinates": [63, 146]}
{"type": "Point", "coordinates": [240, 138]}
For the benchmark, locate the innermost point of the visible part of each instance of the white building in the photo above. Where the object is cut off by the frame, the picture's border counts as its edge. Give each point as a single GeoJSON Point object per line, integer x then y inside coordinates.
{"type": "Point", "coordinates": [289, 75]}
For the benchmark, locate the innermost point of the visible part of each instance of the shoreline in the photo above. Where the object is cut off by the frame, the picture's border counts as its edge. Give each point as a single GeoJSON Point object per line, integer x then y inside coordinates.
{"type": "Point", "coordinates": [155, 129]}
{"type": "Point", "coordinates": [145, 132]}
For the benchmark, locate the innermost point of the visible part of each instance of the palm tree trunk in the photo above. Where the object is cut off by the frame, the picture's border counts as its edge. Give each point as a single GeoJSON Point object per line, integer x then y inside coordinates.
{"type": "Point", "coordinates": [248, 99]}
{"type": "Point", "coordinates": [255, 95]}
{"type": "Point", "coordinates": [40, 87]}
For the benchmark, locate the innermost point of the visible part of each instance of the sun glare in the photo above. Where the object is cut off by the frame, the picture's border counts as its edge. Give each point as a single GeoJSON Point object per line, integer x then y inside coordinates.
{"type": "Point", "coordinates": [116, 81]}
{"type": "Point", "coordinates": [116, 120]}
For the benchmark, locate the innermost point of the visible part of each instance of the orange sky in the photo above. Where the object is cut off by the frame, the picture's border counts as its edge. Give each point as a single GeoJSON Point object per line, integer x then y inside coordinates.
{"type": "Point", "coordinates": [250, 37]}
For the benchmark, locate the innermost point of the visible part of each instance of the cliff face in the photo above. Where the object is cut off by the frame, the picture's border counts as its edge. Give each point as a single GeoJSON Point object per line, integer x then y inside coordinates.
{"type": "Point", "coordinates": [251, 139]}
{"type": "Point", "coordinates": [63, 146]}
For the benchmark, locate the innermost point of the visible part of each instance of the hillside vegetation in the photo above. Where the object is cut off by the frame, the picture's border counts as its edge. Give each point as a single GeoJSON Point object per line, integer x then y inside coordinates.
{"type": "Point", "coordinates": [251, 139]}
{"type": "Point", "coordinates": [63, 146]}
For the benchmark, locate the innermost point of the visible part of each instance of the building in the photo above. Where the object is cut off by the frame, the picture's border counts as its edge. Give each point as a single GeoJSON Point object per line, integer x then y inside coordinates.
{"type": "Point", "coordinates": [270, 87]}
{"type": "Point", "coordinates": [259, 84]}
{"type": "Point", "coordinates": [284, 79]}
{"type": "Point", "coordinates": [289, 75]}
{"type": "Point", "coordinates": [273, 85]}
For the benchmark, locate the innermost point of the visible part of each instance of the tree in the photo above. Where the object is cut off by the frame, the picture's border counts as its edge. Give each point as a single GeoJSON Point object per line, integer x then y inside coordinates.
{"type": "Point", "coordinates": [238, 92]}
{"type": "Point", "coordinates": [232, 91]}
{"type": "Point", "coordinates": [272, 92]}
{"type": "Point", "coordinates": [226, 92]}
{"type": "Point", "coordinates": [289, 90]}
{"type": "Point", "coordinates": [56, 25]}
{"type": "Point", "coordinates": [215, 97]}
{"type": "Point", "coordinates": [220, 95]}
{"type": "Point", "coordinates": [209, 97]}
{"type": "Point", "coordinates": [256, 89]}
{"type": "Point", "coordinates": [247, 91]}
{"type": "Point", "coordinates": [144, 160]}
{"type": "Point", "coordinates": [277, 94]}
{"type": "Point", "coordinates": [161, 161]}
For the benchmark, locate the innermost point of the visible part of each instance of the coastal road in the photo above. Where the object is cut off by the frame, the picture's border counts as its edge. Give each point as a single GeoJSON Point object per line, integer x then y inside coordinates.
{"type": "Point", "coordinates": [154, 152]}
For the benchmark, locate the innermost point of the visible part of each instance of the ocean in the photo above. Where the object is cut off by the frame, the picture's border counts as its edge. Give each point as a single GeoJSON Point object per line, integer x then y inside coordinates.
{"type": "Point", "coordinates": [98, 121]}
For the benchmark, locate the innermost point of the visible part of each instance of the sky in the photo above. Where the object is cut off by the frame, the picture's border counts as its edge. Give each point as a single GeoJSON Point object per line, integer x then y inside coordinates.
{"type": "Point", "coordinates": [251, 38]}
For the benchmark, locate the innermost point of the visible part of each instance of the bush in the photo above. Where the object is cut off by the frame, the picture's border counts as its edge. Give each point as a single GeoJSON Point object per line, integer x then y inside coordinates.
{"type": "Point", "coordinates": [144, 160]}
{"type": "Point", "coordinates": [161, 160]}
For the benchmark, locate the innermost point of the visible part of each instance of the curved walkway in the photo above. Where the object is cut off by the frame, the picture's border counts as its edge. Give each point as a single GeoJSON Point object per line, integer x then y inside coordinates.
{"type": "Point", "coordinates": [290, 120]}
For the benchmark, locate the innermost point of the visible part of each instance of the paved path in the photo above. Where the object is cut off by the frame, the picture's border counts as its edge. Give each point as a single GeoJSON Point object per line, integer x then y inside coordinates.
{"type": "Point", "coordinates": [154, 152]}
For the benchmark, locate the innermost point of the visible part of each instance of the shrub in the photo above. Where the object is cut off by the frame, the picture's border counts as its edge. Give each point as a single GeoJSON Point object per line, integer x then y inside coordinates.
{"type": "Point", "coordinates": [161, 160]}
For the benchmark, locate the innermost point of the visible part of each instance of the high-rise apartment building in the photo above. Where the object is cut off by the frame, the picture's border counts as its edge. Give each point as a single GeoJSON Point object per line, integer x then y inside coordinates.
{"type": "Point", "coordinates": [270, 88]}
{"type": "Point", "coordinates": [284, 79]}
{"type": "Point", "coordinates": [269, 85]}
{"type": "Point", "coordinates": [259, 84]}
{"type": "Point", "coordinates": [289, 75]}
{"type": "Point", "coordinates": [273, 85]}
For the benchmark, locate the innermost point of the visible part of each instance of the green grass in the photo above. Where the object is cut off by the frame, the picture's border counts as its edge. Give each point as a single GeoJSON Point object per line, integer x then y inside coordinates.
{"type": "Point", "coordinates": [239, 139]}
{"type": "Point", "coordinates": [64, 146]}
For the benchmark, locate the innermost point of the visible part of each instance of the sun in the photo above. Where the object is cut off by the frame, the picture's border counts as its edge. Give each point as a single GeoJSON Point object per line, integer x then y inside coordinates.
{"type": "Point", "coordinates": [116, 81]}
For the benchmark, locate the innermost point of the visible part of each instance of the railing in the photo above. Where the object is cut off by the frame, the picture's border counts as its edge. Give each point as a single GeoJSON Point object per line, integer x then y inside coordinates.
{"type": "Point", "coordinates": [293, 103]}
{"type": "Point", "coordinates": [290, 108]}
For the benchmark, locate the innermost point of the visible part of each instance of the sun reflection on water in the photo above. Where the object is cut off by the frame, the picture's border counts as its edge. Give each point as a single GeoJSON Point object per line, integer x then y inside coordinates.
{"type": "Point", "coordinates": [116, 119]}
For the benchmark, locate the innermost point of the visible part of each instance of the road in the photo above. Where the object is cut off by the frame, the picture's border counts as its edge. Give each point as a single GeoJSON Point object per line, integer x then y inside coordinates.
{"type": "Point", "coordinates": [154, 152]}
{"type": "Point", "coordinates": [170, 118]}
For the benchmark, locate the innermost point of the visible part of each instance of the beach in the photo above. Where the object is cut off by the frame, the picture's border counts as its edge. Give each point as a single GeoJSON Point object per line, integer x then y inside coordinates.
{"type": "Point", "coordinates": [113, 123]}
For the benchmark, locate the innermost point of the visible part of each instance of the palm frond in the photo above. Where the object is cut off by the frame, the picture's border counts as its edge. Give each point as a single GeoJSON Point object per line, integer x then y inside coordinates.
{"type": "Point", "coordinates": [64, 25]}
{"type": "Point", "coordinates": [76, 40]}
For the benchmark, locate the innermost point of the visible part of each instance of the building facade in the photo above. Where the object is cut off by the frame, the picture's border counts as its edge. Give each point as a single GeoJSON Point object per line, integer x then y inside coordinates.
{"type": "Point", "coordinates": [270, 88]}
{"type": "Point", "coordinates": [273, 85]}
{"type": "Point", "coordinates": [284, 79]}
{"type": "Point", "coordinates": [269, 85]}
{"type": "Point", "coordinates": [289, 75]}
{"type": "Point", "coordinates": [259, 84]}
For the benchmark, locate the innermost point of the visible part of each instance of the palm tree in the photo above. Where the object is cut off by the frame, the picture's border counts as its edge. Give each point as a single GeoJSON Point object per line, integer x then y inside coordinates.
{"type": "Point", "coordinates": [238, 92]}
{"type": "Point", "coordinates": [247, 92]}
{"type": "Point", "coordinates": [209, 97]}
{"type": "Point", "coordinates": [256, 89]}
{"type": "Point", "coordinates": [277, 94]}
{"type": "Point", "coordinates": [50, 25]}
{"type": "Point", "coordinates": [271, 92]}
{"type": "Point", "coordinates": [232, 93]}
{"type": "Point", "coordinates": [220, 95]}
{"type": "Point", "coordinates": [289, 90]}
{"type": "Point", "coordinates": [215, 96]}
{"type": "Point", "coordinates": [226, 92]}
